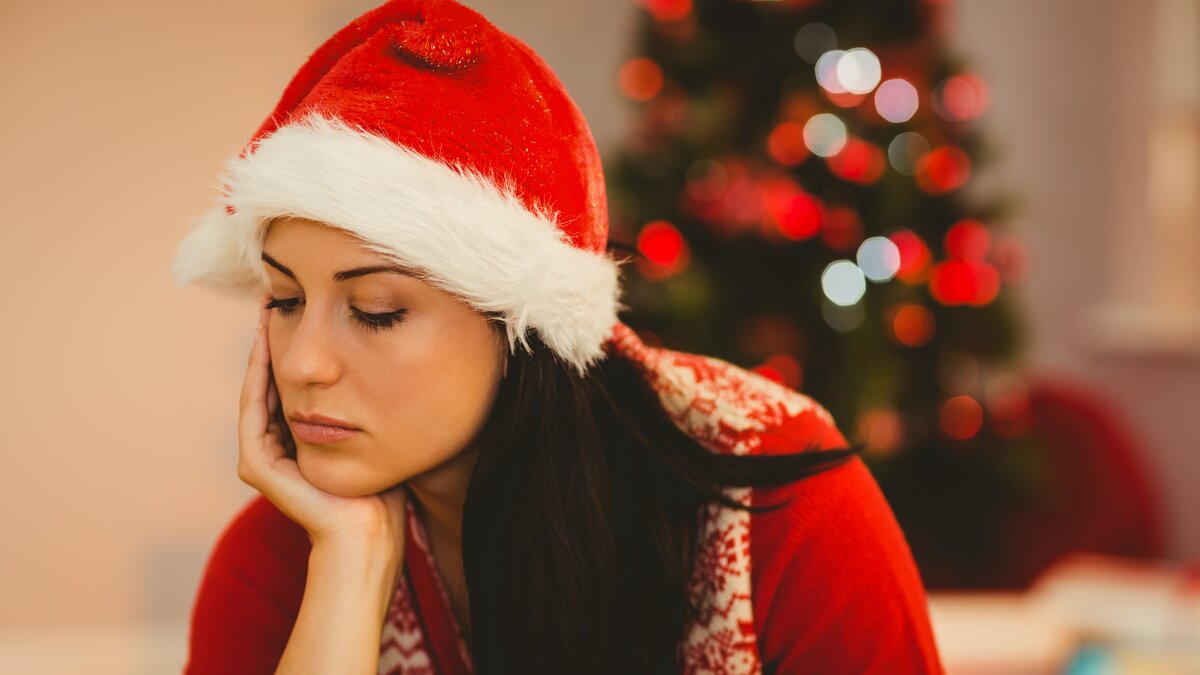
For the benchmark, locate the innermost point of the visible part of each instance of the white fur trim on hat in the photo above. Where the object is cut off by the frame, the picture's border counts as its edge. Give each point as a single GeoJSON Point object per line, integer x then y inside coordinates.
{"type": "Point", "coordinates": [471, 237]}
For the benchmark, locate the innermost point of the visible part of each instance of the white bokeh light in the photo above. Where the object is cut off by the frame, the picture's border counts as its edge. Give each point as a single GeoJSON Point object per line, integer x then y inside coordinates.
{"type": "Point", "coordinates": [843, 283]}
{"type": "Point", "coordinates": [906, 150]}
{"type": "Point", "coordinates": [858, 70]}
{"type": "Point", "coordinates": [825, 135]}
{"type": "Point", "coordinates": [827, 71]}
{"type": "Point", "coordinates": [879, 259]}
{"type": "Point", "coordinates": [896, 100]}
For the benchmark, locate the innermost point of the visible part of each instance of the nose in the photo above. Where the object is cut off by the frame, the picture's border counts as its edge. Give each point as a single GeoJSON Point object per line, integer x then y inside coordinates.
{"type": "Point", "coordinates": [310, 356]}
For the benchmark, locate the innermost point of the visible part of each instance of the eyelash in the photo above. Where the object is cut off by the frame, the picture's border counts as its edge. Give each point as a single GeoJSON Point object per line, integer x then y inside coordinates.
{"type": "Point", "coordinates": [372, 322]}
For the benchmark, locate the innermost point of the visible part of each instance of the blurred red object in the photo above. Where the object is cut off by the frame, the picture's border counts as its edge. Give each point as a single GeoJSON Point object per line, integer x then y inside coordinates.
{"type": "Point", "coordinates": [1101, 498]}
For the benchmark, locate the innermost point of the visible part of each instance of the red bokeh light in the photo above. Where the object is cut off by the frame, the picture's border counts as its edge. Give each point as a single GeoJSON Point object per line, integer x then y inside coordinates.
{"type": "Point", "coordinates": [914, 257]}
{"type": "Point", "coordinates": [641, 79]}
{"type": "Point", "coordinates": [662, 244]}
{"type": "Point", "coordinates": [667, 10]}
{"type": "Point", "coordinates": [987, 283]}
{"type": "Point", "coordinates": [1011, 258]}
{"type": "Point", "coordinates": [963, 97]}
{"type": "Point", "coordinates": [952, 283]}
{"type": "Point", "coordinates": [844, 99]}
{"type": "Point", "coordinates": [961, 417]}
{"type": "Point", "coordinates": [963, 282]}
{"type": "Point", "coordinates": [796, 214]}
{"type": "Point", "coordinates": [912, 325]}
{"type": "Point", "coordinates": [788, 369]}
{"type": "Point", "coordinates": [968, 240]}
{"type": "Point", "coordinates": [882, 430]}
{"type": "Point", "coordinates": [843, 229]}
{"type": "Point", "coordinates": [769, 373]}
{"type": "Point", "coordinates": [786, 144]}
{"type": "Point", "coordinates": [943, 169]}
{"type": "Point", "coordinates": [859, 162]}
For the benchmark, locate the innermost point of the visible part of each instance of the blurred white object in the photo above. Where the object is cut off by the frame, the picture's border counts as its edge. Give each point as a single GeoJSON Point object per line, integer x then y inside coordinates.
{"type": "Point", "coordinates": [1154, 605]}
{"type": "Point", "coordinates": [1133, 617]}
{"type": "Point", "coordinates": [998, 633]}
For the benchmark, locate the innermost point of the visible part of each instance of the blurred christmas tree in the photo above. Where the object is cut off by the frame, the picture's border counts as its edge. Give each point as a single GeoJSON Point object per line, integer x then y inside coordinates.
{"type": "Point", "coordinates": [794, 185]}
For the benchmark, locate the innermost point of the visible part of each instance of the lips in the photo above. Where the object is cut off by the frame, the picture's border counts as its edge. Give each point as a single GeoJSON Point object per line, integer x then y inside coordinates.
{"type": "Point", "coordinates": [323, 420]}
{"type": "Point", "coordinates": [312, 428]}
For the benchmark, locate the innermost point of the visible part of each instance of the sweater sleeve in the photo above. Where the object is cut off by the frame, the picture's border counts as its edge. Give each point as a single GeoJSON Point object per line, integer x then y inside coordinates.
{"type": "Point", "coordinates": [835, 588]}
{"type": "Point", "coordinates": [249, 595]}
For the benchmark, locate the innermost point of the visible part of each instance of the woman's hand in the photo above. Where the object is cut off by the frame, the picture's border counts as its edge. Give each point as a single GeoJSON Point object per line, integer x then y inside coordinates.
{"type": "Point", "coordinates": [357, 552]}
{"type": "Point", "coordinates": [378, 520]}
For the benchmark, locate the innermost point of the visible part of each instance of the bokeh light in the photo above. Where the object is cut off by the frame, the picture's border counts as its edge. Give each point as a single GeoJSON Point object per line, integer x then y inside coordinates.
{"type": "Point", "coordinates": [906, 151]}
{"type": "Point", "coordinates": [825, 135]}
{"type": "Point", "coordinates": [879, 259]}
{"type": "Point", "coordinates": [667, 10]}
{"type": "Point", "coordinates": [786, 144]}
{"type": "Point", "coordinates": [964, 282]}
{"type": "Point", "coordinates": [843, 283]}
{"type": "Point", "coordinates": [952, 283]}
{"type": "Point", "coordinates": [882, 431]}
{"type": "Point", "coordinates": [943, 169]}
{"type": "Point", "coordinates": [1011, 257]}
{"type": "Point", "coordinates": [915, 256]}
{"type": "Point", "coordinates": [813, 40]}
{"type": "Point", "coordinates": [826, 69]}
{"type": "Point", "coordinates": [641, 79]}
{"type": "Point", "coordinates": [858, 70]}
{"type": "Point", "coordinates": [664, 247]}
{"type": "Point", "coordinates": [842, 229]}
{"type": "Point", "coordinates": [910, 324]}
{"type": "Point", "coordinates": [896, 100]}
{"type": "Point", "coordinates": [858, 161]}
{"type": "Point", "coordinates": [987, 283]}
{"type": "Point", "coordinates": [795, 213]}
{"type": "Point", "coordinates": [967, 240]}
{"type": "Point", "coordinates": [962, 97]}
{"type": "Point", "coordinates": [961, 417]}
{"type": "Point", "coordinates": [782, 368]}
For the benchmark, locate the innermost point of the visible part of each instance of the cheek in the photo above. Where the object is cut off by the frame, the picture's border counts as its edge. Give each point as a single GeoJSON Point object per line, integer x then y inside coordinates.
{"type": "Point", "coordinates": [434, 399]}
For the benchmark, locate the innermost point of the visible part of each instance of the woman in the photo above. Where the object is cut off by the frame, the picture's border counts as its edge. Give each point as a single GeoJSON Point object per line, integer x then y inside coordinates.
{"type": "Point", "coordinates": [467, 463]}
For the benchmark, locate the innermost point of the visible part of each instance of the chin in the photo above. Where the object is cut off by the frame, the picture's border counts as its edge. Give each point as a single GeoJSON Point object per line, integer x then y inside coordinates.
{"type": "Point", "coordinates": [340, 475]}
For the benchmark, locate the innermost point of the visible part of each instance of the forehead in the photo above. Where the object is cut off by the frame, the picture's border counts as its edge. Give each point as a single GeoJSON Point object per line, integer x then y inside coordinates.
{"type": "Point", "coordinates": [301, 243]}
{"type": "Point", "coordinates": [289, 229]}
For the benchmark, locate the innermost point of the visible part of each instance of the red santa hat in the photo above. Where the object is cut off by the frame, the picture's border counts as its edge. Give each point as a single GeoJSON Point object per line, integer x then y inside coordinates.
{"type": "Point", "coordinates": [445, 144]}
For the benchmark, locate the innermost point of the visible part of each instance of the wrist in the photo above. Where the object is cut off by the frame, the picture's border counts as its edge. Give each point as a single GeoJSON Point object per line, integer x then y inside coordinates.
{"type": "Point", "coordinates": [365, 568]}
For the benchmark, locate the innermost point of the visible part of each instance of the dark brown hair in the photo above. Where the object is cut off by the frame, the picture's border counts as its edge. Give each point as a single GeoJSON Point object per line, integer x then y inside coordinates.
{"type": "Point", "coordinates": [583, 516]}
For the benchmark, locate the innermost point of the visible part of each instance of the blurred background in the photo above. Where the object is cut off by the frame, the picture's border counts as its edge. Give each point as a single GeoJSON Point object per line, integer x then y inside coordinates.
{"type": "Point", "coordinates": [971, 229]}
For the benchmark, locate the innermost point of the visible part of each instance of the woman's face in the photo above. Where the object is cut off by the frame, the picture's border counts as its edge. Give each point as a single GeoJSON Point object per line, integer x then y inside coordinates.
{"type": "Point", "coordinates": [418, 380]}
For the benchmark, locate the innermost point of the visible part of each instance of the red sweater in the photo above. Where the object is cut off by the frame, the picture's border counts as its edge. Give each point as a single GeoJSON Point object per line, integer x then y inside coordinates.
{"type": "Point", "coordinates": [825, 585]}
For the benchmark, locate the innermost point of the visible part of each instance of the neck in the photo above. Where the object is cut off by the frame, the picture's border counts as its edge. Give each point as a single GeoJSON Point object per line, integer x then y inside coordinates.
{"type": "Point", "coordinates": [441, 494]}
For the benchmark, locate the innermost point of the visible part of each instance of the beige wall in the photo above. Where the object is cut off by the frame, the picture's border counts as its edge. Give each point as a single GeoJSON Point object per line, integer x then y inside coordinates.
{"type": "Point", "coordinates": [119, 391]}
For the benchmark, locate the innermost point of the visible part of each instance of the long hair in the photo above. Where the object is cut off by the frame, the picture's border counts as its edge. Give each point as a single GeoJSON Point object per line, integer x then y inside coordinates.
{"type": "Point", "coordinates": [583, 518]}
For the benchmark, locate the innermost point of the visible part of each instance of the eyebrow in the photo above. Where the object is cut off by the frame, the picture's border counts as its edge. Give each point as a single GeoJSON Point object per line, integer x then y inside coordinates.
{"type": "Point", "coordinates": [344, 274]}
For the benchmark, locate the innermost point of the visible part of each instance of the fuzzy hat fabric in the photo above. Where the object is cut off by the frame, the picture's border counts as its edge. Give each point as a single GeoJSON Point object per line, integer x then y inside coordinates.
{"type": "Point", "coordinates": [448, 146]}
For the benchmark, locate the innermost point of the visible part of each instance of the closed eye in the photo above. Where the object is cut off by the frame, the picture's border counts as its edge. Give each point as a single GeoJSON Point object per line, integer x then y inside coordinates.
{"type": "Point", "coordinates": [372, 322]}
